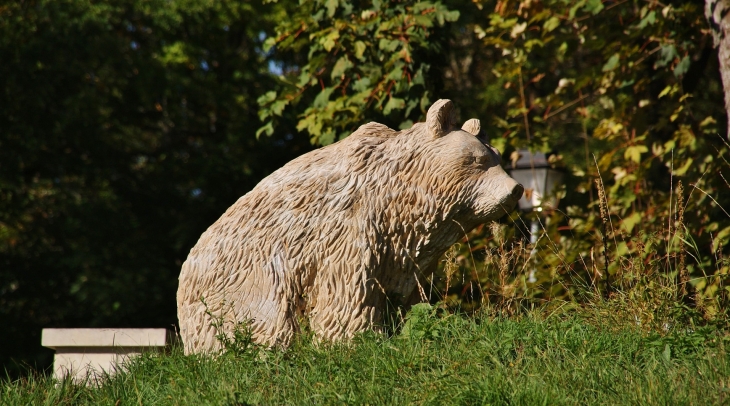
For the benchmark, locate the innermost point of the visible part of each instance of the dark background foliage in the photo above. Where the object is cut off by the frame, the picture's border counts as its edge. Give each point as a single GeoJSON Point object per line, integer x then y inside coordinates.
{"type": "Point", "coordinates": [127, 128]}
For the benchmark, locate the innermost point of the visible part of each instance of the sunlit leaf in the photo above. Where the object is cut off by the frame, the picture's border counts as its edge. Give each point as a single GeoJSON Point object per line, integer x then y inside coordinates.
{"type": "Point", "coordinates": [330, 40]}
{"type": "Point", "coordinates": [551, 24]}
{"type": "Point", "coordinates": [393, 103]}
{"type": "Point", "coordinates": [360, 49]}
{"type": "Point", "coordinates": [331, 7]}
{"type": "Point", "coordinates": [649, 19]}
{"type": "Point", "coordinates": [634, 152]}
{"type": "Point", "coordinates": [629, 222]}
{"type": "Point", "coordinates": [323, 97]}
{"type": "Point", "coordinates": [611, 63]}
{"type": "Point", "coordinates": [594, 6]}
{"type": "Point", "coordinates": [679, 171]}
{"type": "Point", "coordinates": [342, 65]}
{"type": "Point", "coordinates": [268, 129]}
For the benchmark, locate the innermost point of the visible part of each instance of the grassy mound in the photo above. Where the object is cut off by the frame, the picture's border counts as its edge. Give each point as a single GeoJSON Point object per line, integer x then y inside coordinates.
{"type": "Point", "coordinates": [574, 356]}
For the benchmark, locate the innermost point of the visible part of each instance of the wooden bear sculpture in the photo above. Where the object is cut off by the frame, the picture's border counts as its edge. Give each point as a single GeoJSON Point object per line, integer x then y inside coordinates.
{"type": "Point", "coordinates": [337, 233]}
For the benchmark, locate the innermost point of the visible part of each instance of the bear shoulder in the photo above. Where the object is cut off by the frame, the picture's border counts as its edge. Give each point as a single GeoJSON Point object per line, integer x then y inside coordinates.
{"type": "Point", "coordinates": [374, 130]}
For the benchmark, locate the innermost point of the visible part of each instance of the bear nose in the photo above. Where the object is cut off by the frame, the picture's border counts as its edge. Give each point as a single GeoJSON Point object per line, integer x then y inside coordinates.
{"type": "Point", "coordinates": [517, 192]}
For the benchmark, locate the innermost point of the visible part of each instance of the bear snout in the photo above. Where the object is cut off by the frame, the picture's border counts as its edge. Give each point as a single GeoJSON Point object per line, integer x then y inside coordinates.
{"type": "Point", "coordinates": [516, 194]}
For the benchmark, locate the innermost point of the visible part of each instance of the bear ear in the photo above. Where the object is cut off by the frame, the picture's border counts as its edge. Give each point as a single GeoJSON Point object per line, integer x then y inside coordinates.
{"type": "Point", "coordinates": [472, 126]}
{"type": "Point", "coordinates": [441, 118]}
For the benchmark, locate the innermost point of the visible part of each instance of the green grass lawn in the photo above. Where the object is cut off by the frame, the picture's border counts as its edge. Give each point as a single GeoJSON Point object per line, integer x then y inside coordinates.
{"type": "Point", "coordinates": [573, 358]}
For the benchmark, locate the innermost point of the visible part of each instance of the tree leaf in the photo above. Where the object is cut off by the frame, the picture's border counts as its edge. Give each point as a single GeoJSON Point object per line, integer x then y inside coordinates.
{"type": "Point", "coordinates": [684, 168]}
{"type": "Point", "coordinates": [388, 45]}
{"type": "Point", "coordinates": [721, 239]}
{"type": "Point", "coordinates": [518, 29]}
{"type": "Point", "coordinates": [551, 24]}
{"type": "Point", "coordinates": [278, 107]}
{"type": "Point", "coordinates": [360, 48]}
{"type": "Point", "coordinates": [323, 97]}
{"type": "Point", "coordinates": [327, 137]}
{"type": "Point", "coordinates": [268, 44]}
{"type": "Point", "coordinates": [342, 65]}
{"type": "Point", "coordinates": [576, 6]}
{"type": "Point", "coordinates": [331, 7]}
{"type": "Point", "coordinates": [682, 67]}
{"type": "Point", "coordinates": [594, 6]}
{"type": "Point", "coordinates": [631, 221]}
{"type": "Point", "coordinates": [268, 128]}
{"type": "Point", "coordinates": [634, 152]}
{"type": "Point", "coordinates": [393, 104]}
{"type": "Point", "coordinates": [666, 55]}
{"type": "Point", "coordinates": [266, 98]}
{"type": "Point", "coordinates": [362, 84]}
{"type": "Point", "coordinates": [665, 91]}
{"type": "Point", "coordinates": [612, 63]}
{"type": "Point", "coordinates": [649, 19]}
{"type": "Point", "coordinates": [330, 40]}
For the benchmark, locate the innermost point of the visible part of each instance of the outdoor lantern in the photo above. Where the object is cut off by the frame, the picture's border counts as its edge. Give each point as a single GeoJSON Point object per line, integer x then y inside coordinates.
{"type": "Point", "coordinates": [539, 179]}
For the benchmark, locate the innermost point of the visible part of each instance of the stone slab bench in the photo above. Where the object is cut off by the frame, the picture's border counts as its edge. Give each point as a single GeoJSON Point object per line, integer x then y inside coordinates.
{"type": "Point", "coordinates": [95, 352]}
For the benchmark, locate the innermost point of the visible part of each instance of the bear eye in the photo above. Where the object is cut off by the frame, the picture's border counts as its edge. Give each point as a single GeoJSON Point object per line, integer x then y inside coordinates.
{"type": "Point", "coordinates": [481, 159]}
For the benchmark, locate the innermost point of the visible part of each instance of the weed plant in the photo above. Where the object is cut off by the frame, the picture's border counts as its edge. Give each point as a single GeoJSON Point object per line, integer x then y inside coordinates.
{"type": "Point", "coordinates": [656, 271]}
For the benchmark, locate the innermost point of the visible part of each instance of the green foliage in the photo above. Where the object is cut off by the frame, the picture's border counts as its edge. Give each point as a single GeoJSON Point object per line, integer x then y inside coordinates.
{"type": "Point", "coordinates": [363, 61]}
{"type": "Point", "coordinates": [535, 359]}
{"type": "Point", "coordinates": [630, 94]}
{"type": "Point", "coordinates": [627, 92]}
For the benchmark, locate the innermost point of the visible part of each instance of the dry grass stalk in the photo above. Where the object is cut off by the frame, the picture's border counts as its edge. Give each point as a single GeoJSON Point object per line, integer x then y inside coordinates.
{"type": "Point", "coordinates": [641, 251]}
{"type": "Point", "coordinates": [683, 274]}
{"type": "Point", "coordinates": [595, 274]}
{"type": "Point", "coordinates": [451, 265]}
{"type": "Point", "coordinates": [723, 277]}
{"type": "Point", "coordinates": [488, 259]}
{"type": "Point", "coordinates": [503, 259]}
{"type": "Point", "coordinates": [506, 258]}
{"type": "Point", "coordinates": [603, 204]}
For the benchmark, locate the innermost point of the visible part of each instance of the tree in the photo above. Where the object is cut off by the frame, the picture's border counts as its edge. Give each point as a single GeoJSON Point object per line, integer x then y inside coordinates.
{"type": "Point", "coordinates": [371, 61]}
{"type": "Point", "coordinates": [716, 12]}
{"type": "Point", "coordinates": [125, 131]}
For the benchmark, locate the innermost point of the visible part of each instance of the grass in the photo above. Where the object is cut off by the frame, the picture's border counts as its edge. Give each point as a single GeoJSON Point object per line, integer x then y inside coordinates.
{"type": "Point", "coordinates": [572, 356]}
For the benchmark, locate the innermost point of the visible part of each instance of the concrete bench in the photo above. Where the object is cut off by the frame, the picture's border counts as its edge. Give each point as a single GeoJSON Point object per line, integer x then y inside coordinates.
{"type": "Point", "coordinates": [94, 352]}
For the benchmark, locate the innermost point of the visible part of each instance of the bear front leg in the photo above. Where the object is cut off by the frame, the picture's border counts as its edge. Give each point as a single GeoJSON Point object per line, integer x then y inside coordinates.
{"type": "Point", "coordinates": [340, 306]}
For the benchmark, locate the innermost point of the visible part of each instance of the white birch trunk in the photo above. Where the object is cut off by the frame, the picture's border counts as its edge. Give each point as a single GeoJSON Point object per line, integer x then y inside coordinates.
{"type": "Point", "coordinates": [718, 16]}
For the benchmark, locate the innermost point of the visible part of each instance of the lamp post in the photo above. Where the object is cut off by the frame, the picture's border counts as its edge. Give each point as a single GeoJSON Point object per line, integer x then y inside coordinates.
{"type": "Point", "coordinates": [539, 179]}
{"type": "Point", "coordinates": [533, 171]}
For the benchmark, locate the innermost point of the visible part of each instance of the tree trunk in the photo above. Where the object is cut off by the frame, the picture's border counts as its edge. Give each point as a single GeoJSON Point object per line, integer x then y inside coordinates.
{"type": "Point", "coordinates": [718, 16]}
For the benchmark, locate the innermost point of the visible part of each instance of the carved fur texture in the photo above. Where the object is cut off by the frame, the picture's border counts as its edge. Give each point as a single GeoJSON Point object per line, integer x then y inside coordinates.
{"type": "Point", "coordinates": [339, 234]}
